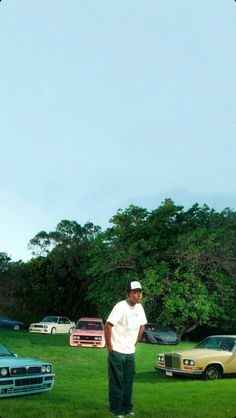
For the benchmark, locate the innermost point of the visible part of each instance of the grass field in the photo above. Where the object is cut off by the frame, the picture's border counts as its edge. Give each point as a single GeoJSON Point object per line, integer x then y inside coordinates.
{"type": "Point", "coordinates": [80, 388]}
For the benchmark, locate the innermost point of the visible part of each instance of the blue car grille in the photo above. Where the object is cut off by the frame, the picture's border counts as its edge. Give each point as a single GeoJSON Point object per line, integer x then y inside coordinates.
{"type": "Point", "coordinates": [24, 371]}
{"type": "Point", "coordinates": [30, 381]}
{"type": "Point", "coordinates": [6, 382]}
{"type": "Point", "coordinates": [34, 370]}
{"type": "Point", "coordinates": [28, 388]}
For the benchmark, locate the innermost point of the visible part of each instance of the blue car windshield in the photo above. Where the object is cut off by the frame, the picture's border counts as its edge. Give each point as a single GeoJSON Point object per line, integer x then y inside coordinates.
{"type": "Point", "coordinates": [5, 352]}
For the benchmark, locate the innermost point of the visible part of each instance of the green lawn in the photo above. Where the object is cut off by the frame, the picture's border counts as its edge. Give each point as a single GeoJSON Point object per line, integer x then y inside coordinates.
{"type": "Point", "coordinates": [80, 388]}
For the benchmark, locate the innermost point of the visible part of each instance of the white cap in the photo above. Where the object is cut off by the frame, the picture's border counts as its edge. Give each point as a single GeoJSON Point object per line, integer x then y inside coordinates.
{"type": "Point", "coordinates": [134, 286]}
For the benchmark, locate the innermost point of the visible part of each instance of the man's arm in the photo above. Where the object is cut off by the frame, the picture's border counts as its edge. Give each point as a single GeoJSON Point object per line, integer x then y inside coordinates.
{"type": "Point", "coordinates": [107, 331]}
{"type": "Point", "coordinates": [140, 333]}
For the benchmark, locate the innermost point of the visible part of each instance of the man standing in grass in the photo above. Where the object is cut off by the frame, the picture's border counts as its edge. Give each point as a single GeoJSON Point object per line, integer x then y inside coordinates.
{"type": "Point", "coordinates": [123, 329]}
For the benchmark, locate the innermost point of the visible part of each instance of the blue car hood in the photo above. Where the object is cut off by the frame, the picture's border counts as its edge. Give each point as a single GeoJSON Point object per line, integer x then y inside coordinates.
{"type": "Point", "coordinates": [19, 361]}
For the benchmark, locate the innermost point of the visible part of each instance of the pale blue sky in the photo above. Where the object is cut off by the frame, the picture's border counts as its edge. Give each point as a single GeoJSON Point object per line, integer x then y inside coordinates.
{"type": "Point", "coordinates": [110, 103]}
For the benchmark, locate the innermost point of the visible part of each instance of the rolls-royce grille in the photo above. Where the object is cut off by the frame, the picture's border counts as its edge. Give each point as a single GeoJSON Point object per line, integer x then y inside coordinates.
{"type": "Point", "coordinates": [172, 360]}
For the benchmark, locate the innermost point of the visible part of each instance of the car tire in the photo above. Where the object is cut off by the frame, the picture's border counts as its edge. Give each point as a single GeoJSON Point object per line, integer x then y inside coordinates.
{"type": "Point", "coordinates": [53, 330]}
{"type": "Point", "coordinates": [16, 327]}
{"type": "Point", "coordinates": [212, 372]}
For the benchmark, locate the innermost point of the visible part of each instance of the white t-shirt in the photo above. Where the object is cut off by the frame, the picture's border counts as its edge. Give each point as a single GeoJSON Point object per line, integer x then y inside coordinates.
{"type": "Point", "coordinates": [126, 321]}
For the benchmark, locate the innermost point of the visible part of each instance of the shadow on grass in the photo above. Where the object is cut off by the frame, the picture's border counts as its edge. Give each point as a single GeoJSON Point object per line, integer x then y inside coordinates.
{"type": "Point", "coordinates": [156, 376]}
{"type": "Point", "coordinates": [159, 377]}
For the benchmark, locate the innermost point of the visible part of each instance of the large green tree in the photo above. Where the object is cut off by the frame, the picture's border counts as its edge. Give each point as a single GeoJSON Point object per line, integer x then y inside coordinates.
{"type": "Point", "coordinates": [185, 259]}
{"type": "Point", "coordinates": [58, 274]}
{"type": "Point", "coordinates": [195, 285]}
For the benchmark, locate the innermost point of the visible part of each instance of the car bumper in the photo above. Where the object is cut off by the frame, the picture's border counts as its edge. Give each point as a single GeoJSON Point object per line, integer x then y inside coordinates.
{"type": "Point", "coordinates": [26, 385]}
{"type": "Point", "coordinates": [174, 372]}
{"type": "Point", "coordinates": [92, 344]}
{"type": "Point", "coordinates": [39, 330]}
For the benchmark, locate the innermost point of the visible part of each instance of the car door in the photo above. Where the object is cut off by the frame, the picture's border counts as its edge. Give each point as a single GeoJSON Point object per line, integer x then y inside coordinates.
{"type": "Point", "coordinates": [230, 356]}
{"type": "Point", "coordinates": [64, 325]}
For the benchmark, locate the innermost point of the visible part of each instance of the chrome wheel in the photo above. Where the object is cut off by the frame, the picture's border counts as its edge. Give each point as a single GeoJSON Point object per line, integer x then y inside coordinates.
{"type": "Point", "coordinates": [212, 373]}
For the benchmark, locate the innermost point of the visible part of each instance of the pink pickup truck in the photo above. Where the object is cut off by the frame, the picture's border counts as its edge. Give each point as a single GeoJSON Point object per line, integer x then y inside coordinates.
{"type": "Point", "coordinates": [88, 332]}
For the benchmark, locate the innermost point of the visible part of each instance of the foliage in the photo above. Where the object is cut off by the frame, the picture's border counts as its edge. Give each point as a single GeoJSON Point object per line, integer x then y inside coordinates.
{"type": "Point", "coordinates": [10, 276]}
{"type": "Point", "coordinates": [186, 261]}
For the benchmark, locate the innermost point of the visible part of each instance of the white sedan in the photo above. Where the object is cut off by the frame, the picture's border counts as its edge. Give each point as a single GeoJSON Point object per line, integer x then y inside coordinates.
{"type": "Point", "coordinates": [53, 325]}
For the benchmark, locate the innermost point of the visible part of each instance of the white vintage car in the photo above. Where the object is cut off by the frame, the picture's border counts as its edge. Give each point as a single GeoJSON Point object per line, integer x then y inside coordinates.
{"type": "Point", "coordinates": [53, 325]}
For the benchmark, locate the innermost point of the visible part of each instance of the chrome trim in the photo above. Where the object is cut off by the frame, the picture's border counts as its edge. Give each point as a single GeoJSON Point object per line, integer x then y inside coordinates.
{"type": "Point", "coordinates": [179, 371]}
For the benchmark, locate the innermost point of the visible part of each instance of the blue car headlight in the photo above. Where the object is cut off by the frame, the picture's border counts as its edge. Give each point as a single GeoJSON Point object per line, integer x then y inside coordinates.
{"type": "Point", "coordinates": [4, 372]}
{"type": "Point", "coordinates": [46, 369]}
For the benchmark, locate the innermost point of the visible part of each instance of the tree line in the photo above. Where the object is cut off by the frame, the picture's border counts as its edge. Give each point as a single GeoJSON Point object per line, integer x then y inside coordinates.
{"type": "Point", "coordinates": [185, 260]}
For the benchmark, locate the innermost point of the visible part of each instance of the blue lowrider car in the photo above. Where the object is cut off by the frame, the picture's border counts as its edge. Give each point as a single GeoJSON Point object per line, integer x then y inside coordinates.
{"type": "Point", "coordinates": [23, 376]}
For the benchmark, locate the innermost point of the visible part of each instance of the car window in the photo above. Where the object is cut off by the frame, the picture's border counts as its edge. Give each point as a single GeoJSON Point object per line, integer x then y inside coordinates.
{"type": "Point", "coordinates": [50, 319]}
{"type": "Point", "coordinates": [217, 343]}
{"type": "Point", "coordinates": [4, 352]}
{"type": "Point", "coordinates": [63, 321]}
{"type": "Point", "coordinates": [227, 344]}
{"type": "Point", "coordinates": [212, 342]}
{"type": "Point", "coordinates": [89, 325]}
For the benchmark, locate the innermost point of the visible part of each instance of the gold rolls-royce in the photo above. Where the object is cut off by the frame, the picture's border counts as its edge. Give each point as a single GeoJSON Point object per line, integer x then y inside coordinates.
{"type": "Point", "coordinates": [211, 359]}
